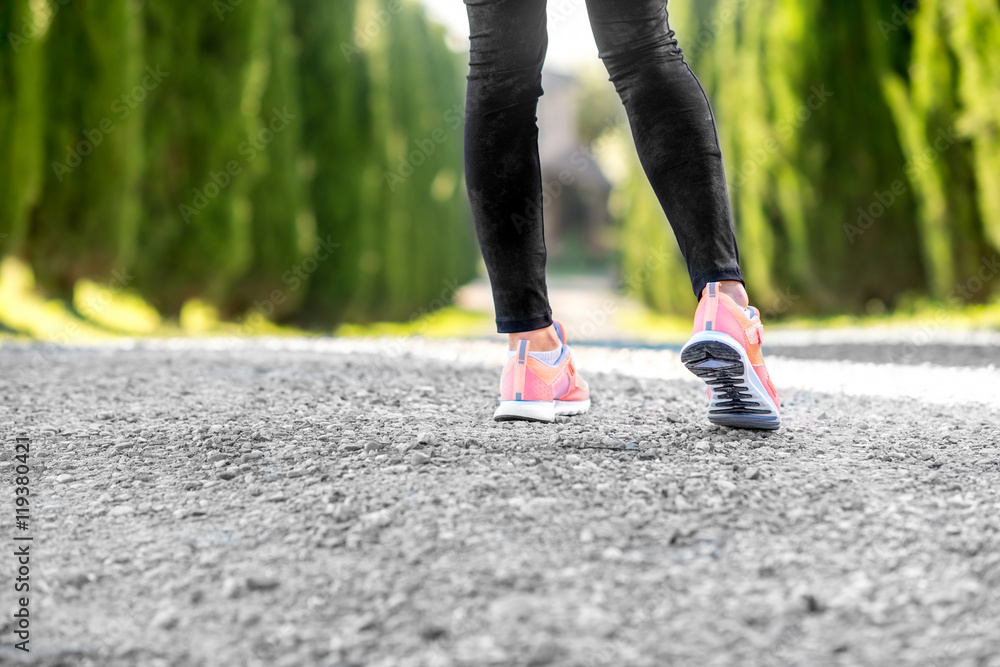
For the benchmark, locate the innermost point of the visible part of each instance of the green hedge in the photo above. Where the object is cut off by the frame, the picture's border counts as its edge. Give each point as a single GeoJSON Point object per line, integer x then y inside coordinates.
{"type": "Point", "coordinates": [828, 118]}
{"type": "Point", "coordinates": [387, 191]}
{"type": "Point", "coordinates": [201, 162]}
{"type": "Point", "coordinates": [281, 230]}
{"type": "Point", "coordinates": [22, 109]}
{"type": "Point", "coordinates": [235, 152]}
{"type": "Point", "coordinates": [86, 219]}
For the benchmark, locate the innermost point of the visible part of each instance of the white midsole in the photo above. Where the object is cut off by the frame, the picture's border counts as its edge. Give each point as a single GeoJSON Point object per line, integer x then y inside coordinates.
{"type": "Point", "coordinates": [749, 378]}
{"type": "Point", "coordinates": [541, 410]}
{"type": "Point", "coordinates": [572, 407]}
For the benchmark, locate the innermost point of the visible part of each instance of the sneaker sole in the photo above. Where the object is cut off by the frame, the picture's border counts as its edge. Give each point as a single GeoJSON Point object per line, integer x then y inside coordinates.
{"type": "Point", "coordinates": [722, 363]}
{"type": "Point", "coordinates": [539, 411]}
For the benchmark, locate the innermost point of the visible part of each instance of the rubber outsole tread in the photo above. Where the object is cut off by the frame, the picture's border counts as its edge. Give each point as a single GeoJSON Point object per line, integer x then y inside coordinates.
{"type": "Point", "coordinates": [515, 418]}
{"type": "Point", "coordinates": [721, 368]}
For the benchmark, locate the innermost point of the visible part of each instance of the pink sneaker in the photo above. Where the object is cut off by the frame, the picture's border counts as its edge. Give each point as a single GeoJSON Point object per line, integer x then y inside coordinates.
{"type": "Point", "coordinates": [531, 390]}
{"type": "Point", "coordinates": [724, 351]}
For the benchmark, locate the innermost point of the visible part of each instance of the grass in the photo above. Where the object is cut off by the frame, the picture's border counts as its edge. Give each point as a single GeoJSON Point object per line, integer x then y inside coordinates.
{"type": "Point", "coordinates": [448, 322]}
{"type": "Point", "coordinates": [98, 312]}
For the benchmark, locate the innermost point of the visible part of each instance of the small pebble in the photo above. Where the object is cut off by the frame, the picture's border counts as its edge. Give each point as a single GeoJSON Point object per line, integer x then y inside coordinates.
{"type": "Point", "coordinates": [419, 458]}
{"type": "Point", "coordinates": [427, 439]}
{"type": "Point", "coordinates": [726, 485]}
{"type": "Point", "coordinates": [612, 553]}
{"type": "Point", "coordinates": [262, 583]}
{"type": "Point", "coordinates": [167, 619]}
{"type": "Point", "coordinates": [231, 588]}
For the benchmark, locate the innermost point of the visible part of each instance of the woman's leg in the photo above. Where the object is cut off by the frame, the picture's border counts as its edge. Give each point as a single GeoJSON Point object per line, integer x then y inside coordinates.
{"type": "Point", "coordinates": [508, 41]}
{"type": "Point", "coordinates": [674, 133]}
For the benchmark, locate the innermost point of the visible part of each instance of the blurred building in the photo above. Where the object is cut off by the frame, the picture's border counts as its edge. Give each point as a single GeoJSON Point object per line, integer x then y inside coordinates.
{"type": "Point", "coordinates": [576, 190]}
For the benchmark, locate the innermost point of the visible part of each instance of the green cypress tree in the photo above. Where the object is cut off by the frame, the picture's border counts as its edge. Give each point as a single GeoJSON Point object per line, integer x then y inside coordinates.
{"type": "Point", "coordinates": [973, 32]}
{"type": "Point", "coordinates": [337, 138]}
{"type": "Point", "coordinates": [811, 147]}
{"type": "Point", "coordinates": [21, 119]}
{"type": "Point", "coordinates": [944, 127]}
{"type": "Point", "coordinates": [446, 188]}
{"type": "Point", "coordinates": [279, 228]}
{"type": "Point", "coordinates": [202, 148]}
{"type": "Point", "coordinates": [920, 106]}
{"type": "Point", "coordinates": [84, 225]}
{"type": "Point", "coordinates": [418, 245]}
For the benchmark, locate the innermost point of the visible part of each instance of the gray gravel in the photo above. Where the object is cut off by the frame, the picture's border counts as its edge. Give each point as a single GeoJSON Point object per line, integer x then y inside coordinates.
{"type": "Point", "coordinates": [279, 507]}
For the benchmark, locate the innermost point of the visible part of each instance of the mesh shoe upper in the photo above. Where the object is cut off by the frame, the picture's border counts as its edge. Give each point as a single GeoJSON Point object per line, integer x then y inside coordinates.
{"type": "Point", "coordinates": [525, 378]}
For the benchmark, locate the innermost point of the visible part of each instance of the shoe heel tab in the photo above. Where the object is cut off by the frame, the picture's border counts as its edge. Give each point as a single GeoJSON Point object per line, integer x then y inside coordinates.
{"type": "Point", "coordinates": [711, 304]}
{"type": "Point", "coordinates": [716, 293]}
{"type": "Point", "coordinates": [560, 332]}
{"type": "Point", "coordinates": [520, 367]}
{"type": "Point", "coordinates": [716, 298]}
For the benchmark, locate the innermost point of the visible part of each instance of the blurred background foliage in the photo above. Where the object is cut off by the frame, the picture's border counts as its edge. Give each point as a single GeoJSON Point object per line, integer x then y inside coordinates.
{"type": "Point", "coordinates": [301, 160]}
{"type": "Point", "coordinates": [861, 142]}
{"type": "Point", "coordinates": [235, 154]}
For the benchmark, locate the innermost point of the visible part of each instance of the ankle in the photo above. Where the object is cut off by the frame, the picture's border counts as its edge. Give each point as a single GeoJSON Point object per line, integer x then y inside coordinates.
{"type": "Point", "coordinates": [735, 291]}
{"type": "Point", "coordinates": [542, 340]}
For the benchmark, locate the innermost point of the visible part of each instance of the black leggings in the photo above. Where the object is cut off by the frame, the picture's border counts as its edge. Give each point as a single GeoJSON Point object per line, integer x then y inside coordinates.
{"type": "Point", "coordinates": [671, 121]}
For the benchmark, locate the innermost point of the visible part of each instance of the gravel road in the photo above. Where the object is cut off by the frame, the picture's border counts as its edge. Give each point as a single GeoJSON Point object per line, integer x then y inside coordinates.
{"type": "Point", "coordinates": [335, 503]}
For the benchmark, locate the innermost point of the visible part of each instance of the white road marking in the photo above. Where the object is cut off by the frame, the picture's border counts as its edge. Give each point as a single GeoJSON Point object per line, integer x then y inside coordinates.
{"type": "Point", "coordinates": [932, 384]}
